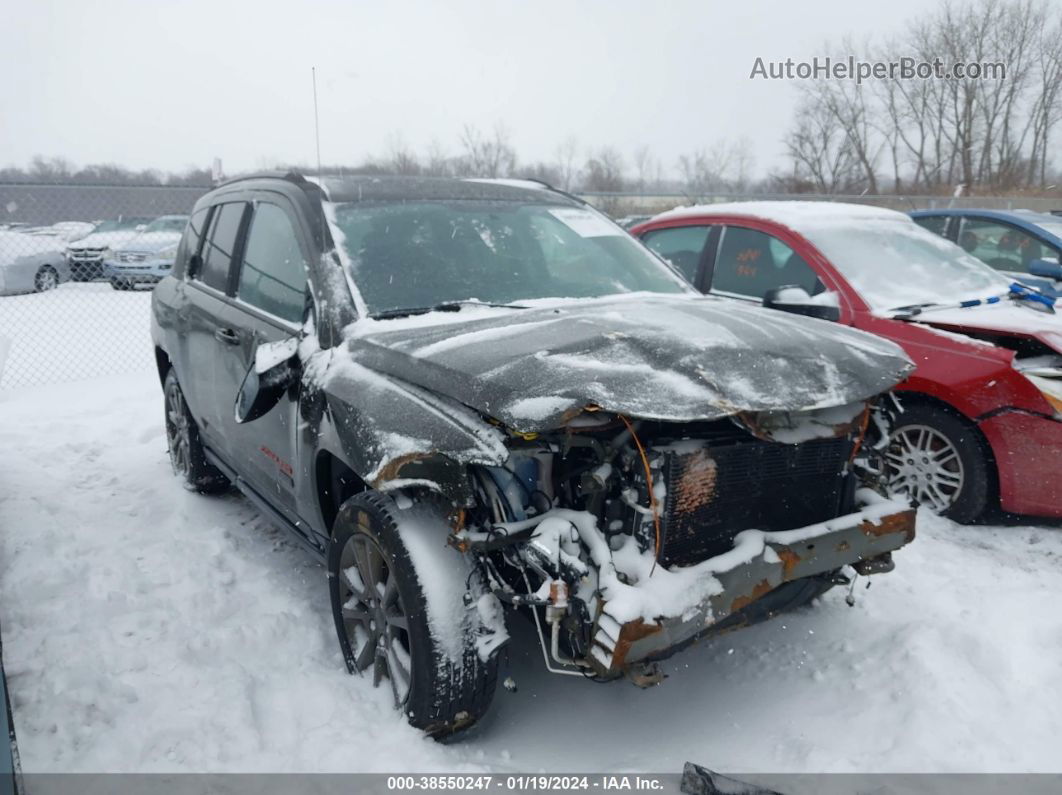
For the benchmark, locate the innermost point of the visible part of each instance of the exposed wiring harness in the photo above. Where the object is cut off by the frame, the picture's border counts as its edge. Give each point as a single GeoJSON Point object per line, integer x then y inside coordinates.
{"type": "Point", "coordinates": [652, 492]}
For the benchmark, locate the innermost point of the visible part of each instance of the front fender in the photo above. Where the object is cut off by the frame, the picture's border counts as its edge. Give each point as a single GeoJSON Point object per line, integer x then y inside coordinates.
{"type": "Point", "coordinates": [394, 434]}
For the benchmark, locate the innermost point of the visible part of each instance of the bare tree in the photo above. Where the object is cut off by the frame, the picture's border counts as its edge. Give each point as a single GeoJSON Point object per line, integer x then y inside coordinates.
{"type": "Point", "coordinates": [933, 133]}
{"type": "Point", "coordinates": [646, 166]}
{"type": "Point", "coordinates": [723, 166]}
{"type": "Point", "coordinates": [821, 152]}
{"type": "Point", "coordinates": [490, 155]}
{"type": "Point", "coordinates": [437, 161]}
{"type": "Point", "coordinates": [604, 171]}
{"type": "Point", "coordinates": [400, 158]}
{"type": "Point", "coordinates": [543, 172]}
{"type": "Point", "coordinates": [1047, 100]}
{"type": "Point", "coordinates": [567, 162]}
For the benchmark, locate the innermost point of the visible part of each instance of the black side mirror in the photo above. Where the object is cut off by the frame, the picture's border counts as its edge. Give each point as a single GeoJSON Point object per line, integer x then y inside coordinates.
{"type": "Point", "coordinates": [1048, 269]}
{"type": "Point", "coordinates": [795, 299]}
{"type": "Point", "coordinates": [274, 369]}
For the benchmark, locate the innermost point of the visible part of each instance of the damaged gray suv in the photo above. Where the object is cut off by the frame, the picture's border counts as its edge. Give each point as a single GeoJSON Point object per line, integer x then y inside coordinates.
{"type": "Point", "coordinates": [476, 400]}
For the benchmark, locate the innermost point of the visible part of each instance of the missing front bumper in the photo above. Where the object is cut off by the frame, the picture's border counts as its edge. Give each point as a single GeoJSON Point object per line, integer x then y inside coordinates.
{"type": "Point", "coordinates": [746, 573]}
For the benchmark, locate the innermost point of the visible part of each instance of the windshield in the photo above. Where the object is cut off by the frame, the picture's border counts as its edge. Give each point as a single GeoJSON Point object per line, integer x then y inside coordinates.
{"type": "Point", "coordinates": [1051, 227]}
{"type": "Point", "coordinates": [173, 223]}
{"type": "Point", "coordinates": [420, 254]}
{"type": "Point", "coordinates": [894, 264]}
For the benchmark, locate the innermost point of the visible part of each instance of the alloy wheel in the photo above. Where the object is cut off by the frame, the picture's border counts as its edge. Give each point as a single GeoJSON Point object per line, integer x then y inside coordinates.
{"type": "Point", "coordinates": [178, 431]}
{"type": "Point", "coordinates": [47, 280]}
{"type": "Point", "coordinates": [924, 464]}
{"type": "Point", "coordinates": [373, 616]}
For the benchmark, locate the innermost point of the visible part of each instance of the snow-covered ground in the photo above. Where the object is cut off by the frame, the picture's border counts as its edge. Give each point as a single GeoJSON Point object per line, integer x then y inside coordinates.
{"type": "Point", "coordinates": [147, 628]}
{"type": "Point", "coordinates": [79, 330]}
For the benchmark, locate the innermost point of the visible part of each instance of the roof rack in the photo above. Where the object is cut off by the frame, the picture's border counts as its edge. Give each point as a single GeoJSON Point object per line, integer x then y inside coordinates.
{"type": "Point", "coordinates": [291, 175]}
{"type": "Point", "coordinates": [547, 186]}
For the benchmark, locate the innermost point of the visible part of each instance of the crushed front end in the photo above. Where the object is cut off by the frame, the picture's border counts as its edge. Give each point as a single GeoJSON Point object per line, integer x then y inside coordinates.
{"type": "Point", "coordinates": [630, 538]}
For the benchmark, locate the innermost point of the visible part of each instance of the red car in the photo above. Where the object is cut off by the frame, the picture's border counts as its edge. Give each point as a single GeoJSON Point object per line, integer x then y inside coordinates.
{"type": "Point", "coordinates": [982, 419]}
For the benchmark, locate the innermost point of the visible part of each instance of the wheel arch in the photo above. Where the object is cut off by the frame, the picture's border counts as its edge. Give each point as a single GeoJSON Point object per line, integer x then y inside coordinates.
{"type": "Point", "coordinates": [162, 364]}
{"type": "Point", "coordinates": [335, 482]}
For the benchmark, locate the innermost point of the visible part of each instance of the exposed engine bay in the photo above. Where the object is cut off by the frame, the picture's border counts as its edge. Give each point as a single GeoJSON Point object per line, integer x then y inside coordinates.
{"type": "Point", "coordinates": [629, 538]}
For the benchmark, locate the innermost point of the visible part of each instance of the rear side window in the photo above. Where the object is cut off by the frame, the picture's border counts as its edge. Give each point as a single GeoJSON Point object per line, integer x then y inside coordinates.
{"type": "Point", "coordinates": [680, 245]}
{"type": "Point", "coordinates": [938, 224]}
{"type": "Point", "coordinates": [193, 232]}
{"type": "Point", "coordinates": [220, 243]}
{"type": "Point", "coordinates": [273, 273]}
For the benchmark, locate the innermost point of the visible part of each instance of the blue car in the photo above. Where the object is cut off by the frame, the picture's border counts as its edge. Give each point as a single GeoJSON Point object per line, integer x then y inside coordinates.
{"type": "Point", "coordinates": [1023, 244]}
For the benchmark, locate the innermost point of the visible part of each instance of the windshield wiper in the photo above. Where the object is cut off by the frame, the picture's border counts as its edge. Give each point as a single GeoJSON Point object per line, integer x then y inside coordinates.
{"type": "Point", "coordinates": [446, 306]}
{"type": "Point", "coordinates": [912, 309]}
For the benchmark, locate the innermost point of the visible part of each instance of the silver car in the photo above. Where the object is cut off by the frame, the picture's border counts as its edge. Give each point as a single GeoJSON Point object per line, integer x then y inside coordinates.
{"type": "Point", "coordinates": [31, 263]}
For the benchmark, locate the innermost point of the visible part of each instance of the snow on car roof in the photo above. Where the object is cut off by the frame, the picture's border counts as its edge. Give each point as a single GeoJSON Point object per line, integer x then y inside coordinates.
{"type": "Point", "coordinates": [794, 214]}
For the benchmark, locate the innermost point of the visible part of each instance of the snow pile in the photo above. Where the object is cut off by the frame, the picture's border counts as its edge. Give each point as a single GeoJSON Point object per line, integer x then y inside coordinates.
{"type": "Point", "coordinates": [443, 573]}
{"type": "Point", "coordinates": [50, 339]}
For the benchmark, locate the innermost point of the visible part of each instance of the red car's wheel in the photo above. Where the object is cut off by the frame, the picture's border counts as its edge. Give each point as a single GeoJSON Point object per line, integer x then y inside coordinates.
{"type": "Point", "coordinates": [938, 460]}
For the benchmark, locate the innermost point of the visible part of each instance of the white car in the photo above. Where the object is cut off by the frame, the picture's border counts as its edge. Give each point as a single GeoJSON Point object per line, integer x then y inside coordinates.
{"type": "Point", "coordinates": [31, 263]}
{"type": "Point", "coordinates": [85, 256]}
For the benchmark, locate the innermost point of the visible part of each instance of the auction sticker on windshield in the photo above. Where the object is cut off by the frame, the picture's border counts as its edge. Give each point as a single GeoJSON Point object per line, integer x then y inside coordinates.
{"type": "Point", "coordinates": [585, 223]}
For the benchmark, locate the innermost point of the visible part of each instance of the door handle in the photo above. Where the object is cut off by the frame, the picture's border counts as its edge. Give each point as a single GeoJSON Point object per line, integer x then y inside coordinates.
{"type": "Point", "coordinates": [227, 336]}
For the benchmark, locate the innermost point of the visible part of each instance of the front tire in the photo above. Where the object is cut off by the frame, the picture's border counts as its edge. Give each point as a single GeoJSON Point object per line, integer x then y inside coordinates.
{"type": "Point", "coordinates": [46, 279]}
{"type": "Point", "coordinates": [186, 450]}
{"type": "Point", "coordinates": [939, 460]}
{"type": "Point", "coordinates": [383, 615]}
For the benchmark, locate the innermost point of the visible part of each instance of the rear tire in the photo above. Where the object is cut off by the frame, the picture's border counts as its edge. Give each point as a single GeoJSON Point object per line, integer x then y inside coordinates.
{"type": "Point", "coordinates": [46, 279]}
{"type": "Point", "coordinates": [383, 625]}
{"type": "Point", "coordinates": [938, 459]}
{"type": "Point", "coordinates": [186, 450]}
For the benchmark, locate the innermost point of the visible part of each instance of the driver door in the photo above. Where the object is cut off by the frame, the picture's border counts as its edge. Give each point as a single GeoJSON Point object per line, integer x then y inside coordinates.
{"type": "Point", "coordinates": [269, 300]}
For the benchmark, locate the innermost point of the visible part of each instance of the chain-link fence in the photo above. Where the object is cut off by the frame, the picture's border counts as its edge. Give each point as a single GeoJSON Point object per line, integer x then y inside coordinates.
{"type": "Point", "coordinates": [77, 263]}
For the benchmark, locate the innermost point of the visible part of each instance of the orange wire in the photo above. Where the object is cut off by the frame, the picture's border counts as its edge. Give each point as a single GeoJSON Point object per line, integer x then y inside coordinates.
{"type": "Point", "coordinates": [652, 495]}
{"type": "Point", "coordinates": [863, 425]}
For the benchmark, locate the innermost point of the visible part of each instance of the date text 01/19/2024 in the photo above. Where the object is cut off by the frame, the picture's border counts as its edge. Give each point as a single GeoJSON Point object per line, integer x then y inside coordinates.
{"type": "Point", "coordinates": [526, 783]}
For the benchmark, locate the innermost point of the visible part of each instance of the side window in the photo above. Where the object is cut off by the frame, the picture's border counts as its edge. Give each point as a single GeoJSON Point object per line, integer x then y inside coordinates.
{"type": "Point", "coordinates": [937, 224]}
{"type": "Point", "coordinates": [219, 245]}
{"type": "Point", "coordinates": [679, 245]}
{"type": "Point", "coordinates": [193, 232]}
{"type": "Point", "coordinates": [273, 273]}
{"type": "Point", "coordinates": [1004, 247]}
{"type": "Point", "coordinates": [750, 263]}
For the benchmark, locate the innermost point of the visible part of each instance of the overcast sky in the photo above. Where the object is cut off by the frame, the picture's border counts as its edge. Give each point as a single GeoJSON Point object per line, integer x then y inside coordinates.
{"type": "Point", "coordinates": [173, 84]}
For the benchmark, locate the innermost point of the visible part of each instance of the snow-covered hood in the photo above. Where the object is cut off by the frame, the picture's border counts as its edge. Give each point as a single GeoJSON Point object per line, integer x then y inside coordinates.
{"type": "Point", "coordinates": [104, 239]}
{"type": "Point", "coordinates": [674, 358]}
{"type": "Point", "coordinates": [1006, 318]}
{"type": "Point", "coordinates": [150, 242]}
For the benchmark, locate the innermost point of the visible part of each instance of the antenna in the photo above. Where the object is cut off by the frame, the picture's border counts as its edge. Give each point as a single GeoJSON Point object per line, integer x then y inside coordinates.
{"type": "Point", "coordinates": [316, 122]}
